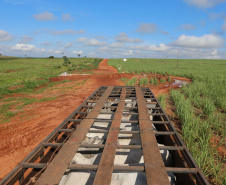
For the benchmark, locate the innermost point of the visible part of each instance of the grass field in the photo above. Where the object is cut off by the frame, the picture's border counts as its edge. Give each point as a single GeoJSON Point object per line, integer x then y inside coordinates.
{"type": "Point", "coordinates": [24, 75]}
{"type": "Point", "coordinates": [200, 106]}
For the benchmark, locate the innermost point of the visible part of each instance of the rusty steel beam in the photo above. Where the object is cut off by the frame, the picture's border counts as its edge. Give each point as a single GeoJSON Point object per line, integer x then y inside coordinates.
{"type": "Point", "coordinates": [105, 168]}
{"type": "Point", "coordinates": [60, 163]}
{"type": "Point", "coordinates": [154, 167]}
{"type": "Point", "coordinates": [115, 168]}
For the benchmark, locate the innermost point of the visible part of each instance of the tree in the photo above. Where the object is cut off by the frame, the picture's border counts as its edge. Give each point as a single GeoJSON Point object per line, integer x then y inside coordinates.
{"type": "Point", "coordinates": [66, 61]}
{"type": "Point", "coordinates": [79, 55]}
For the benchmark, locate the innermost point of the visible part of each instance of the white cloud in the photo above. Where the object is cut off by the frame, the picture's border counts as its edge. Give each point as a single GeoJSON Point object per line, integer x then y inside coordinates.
{"type": "Point", "coordinates": [26, 47]}
{"type": "Point", "coordinates": [45, 16]}
{"type": "Point", "coordinates": [187, 27]}
{"type": "Point", "coordinates": [217, 16]}
{"type": "Point", "coordinates": [82, 39]}
{"type": "Point", "coordinates": [95, 42]}
{"type": "Point", "coordinates": [77, 52]}
{"type": "Point", "coordinates": [116, 45]}
{"type": "Point", "coordinates": [164, 32]}
{"type": "Point", "coordinates": [46, 43]}
{"type": "Point", "coordinates": [204, 3]}
{"type": "Point", "coordinates": [146, 28]}
{"type": "Point", "coordinates": [123, 37]}
{"type": "Point", "coordinates": [224, 26]}
{"type": "Point", "coordinates": [91, 42]}
{"type": "Point", "coordinates": [67, 17]}
{"type": "Point", "coordinates": [23, 47]}
{"type": "Point", "coordinates": [5, 36]}
{"type": "Point", "coordinates": [205, 41]}
{"type": "Point", "coordinates": [60, 51]}
{"type": "Point", "coordinates": [67, 31]}
{"type": "Point", "coordinates": [202, 23]}
{"type": "Point", "coordinates": [128, 52]}
{"type": "Point", "coordinates": [68, 45]}
{"type": "Point", "coordinates": [161, 47]}
{"type": "Point", "coordinates": [25, 39]}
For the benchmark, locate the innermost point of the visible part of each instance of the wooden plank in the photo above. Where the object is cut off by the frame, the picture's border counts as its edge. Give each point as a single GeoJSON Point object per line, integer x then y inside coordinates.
{"type": "Point", "coordinates": [105, 168]}
{"type": "Point", "coordinates": [60, 163]}
{"type": "Point", "coordinates": [154, 165]}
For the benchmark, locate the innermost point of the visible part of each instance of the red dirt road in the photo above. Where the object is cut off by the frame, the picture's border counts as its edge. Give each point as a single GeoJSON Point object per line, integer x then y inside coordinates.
{"type": "Point", "coordinates": [30, 127]}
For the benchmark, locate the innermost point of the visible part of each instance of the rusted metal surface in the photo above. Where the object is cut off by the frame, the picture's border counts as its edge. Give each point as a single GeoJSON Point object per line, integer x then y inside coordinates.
{"type": "Point", "coordinates": [154, 166]}
{"type": "Point", "coordinates": [62, 144]}
{"type": "Point", "coordinates": [105, 168]}
{"type": "Point", "coordinates": [60, 163]}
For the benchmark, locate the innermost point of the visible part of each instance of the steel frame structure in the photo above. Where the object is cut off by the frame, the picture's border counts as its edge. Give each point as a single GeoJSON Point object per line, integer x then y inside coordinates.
{"type": "Point", "coordinates": [47, 163]}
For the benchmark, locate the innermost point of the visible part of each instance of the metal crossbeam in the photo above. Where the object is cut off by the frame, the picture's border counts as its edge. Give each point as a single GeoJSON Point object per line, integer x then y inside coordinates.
{"type": "Point", "coordinates": [60, 163]}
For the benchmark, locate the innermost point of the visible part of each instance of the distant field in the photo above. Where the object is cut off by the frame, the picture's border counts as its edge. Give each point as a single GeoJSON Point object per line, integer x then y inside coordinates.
{"type": "Point", "coordinates": [24, 74]}
{"type": "Point", "coordinates": [201, 106]}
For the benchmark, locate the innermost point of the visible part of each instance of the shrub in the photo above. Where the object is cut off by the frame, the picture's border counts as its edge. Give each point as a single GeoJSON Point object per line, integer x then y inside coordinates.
{"type": "Point", "coordinates": [51, 56]}
{"type": "Point", "coordinates": [58, 66]}
{"type": "Point", "coordinates": [66, 61]}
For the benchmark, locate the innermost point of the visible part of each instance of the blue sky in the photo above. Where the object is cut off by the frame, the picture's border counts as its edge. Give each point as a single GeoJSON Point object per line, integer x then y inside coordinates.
{"type": "Point", "coordinates": [126, 28]}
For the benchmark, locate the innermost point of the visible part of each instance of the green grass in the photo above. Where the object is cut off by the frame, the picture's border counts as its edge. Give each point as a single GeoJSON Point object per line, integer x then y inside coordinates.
{"type": "Point", "coordinates": [123, 79]}
{"type": "Point", "coordinates": [131, 82]}
{"type": "Point", "coordinates": [162, 80]}
{"type": "Point", "coordinates": [25, 74]}
{"type": "Point", "coordinates": [201, 105]}
{"type": "Point", "coordinates": [156, 81]}
{"type": "Point", "coordinates": [17, 104]}
{"type": "Point", "coordinates": [162, 100]}
{"type": "Point", "coordinates": [152, 81]}
{"type": "Point", "coordinates": [197, 134]}
{"type": "Point", "coordinates": [143, 81]}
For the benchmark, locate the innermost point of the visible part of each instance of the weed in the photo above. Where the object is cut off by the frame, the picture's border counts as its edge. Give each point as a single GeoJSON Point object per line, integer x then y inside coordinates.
{"type": "Point", "coordinates": [162, 80]}
{"type": "Point", "coordinates": [123, 79]}
{"type": "Point", "coordinates": [209, 107]}
{"type": "Point", "coordinates": [152, 81]}
{"type": "Point", "coordinates": [156, 81]}
{"type": "Point", "coordinates": [161, 99]}
{"type": "Point", "coordinates": [143, 81]}
{"type": "Point", "coordinates": [131, 82]}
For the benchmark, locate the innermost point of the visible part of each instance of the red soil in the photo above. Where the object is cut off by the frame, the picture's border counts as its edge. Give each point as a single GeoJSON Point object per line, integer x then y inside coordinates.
{"type": "Point", "coordinates": [26, 130]}
{"type": "Point", "coordinates": [215, 142]}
